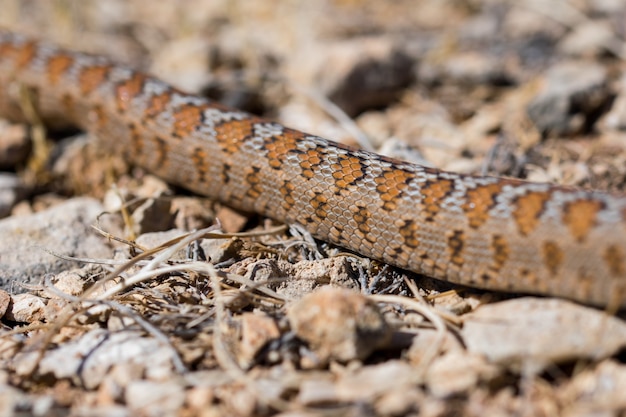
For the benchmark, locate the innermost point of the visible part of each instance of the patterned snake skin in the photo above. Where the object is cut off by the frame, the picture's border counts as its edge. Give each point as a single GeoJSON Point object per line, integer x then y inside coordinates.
{"type": "Point", "coordinates": [486, 232]}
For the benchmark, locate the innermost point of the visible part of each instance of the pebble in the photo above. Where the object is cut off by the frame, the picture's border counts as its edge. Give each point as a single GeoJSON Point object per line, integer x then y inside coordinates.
{"type": "Point", "coordinates": [5, 300]}
{"type": "Point", "coordinates": [26, 308]}
{"type": "Point", "coordinates": [87, 360]}
{"type": "Point", "coordinates": [11, 192]}
{"type": "Point", "coordinates": [531, 325]}
{"type": "Point", "coordinates": [339, 324]}
{"type": "Point", "coordinates": [64, 228]}
{"type": "Point", "coordinates": [600, 388]}
{"type": "Point", "coordinates": [588, 39]}
{"type": "Point", "coordinates": [14, 145]}
{"type": "Point", "coordinates": [257, 329]}
{"type": "Point", "coordinates": [615, 119]}
{"type": "Point", "coordinates": [359, 74]}
{"type": "Point", "coordinates": [155, 398]}
{"type": "Point", "coordinates": [572, 95]}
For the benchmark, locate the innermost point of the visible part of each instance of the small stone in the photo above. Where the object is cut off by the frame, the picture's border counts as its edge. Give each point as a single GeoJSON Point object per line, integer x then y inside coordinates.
{"type": "Point", "coordinates": [14, 145]}
{"type": "Point", "coordinates": [599, 388]}
{"type": "Point", "coordinates": [11, 192]}
{"type": "Point", "coordinates": [80, 162]}
{"type": "Point", "coordinates": [375, 380]}
{"type": "Point", "coordinates": [458, 372]}
{"type": "Point", "coordinates": [615, 119]}
{"type": "Point", "coordinates": [589, 39]}
{"type": "Point", "coordinates": [570, 99]}
{"type": "Point", "coordinates": [220, 250]}
{"type": "Point", "coordinates": [26, 308]}
{"type": "Point", "coordinates": [396, 402]}
{"type": "Point", "coordinates": [64, 228]}
{"type": "Point", "coordinates": [68, 282]}
{"type": "Point", "coordinates": [361, 73]}
{"type": "Point", "coordinates": [474, 68]}
{"type": "Point", "coordinates": [184, 62]}
{"type": "Point", "coordinates": [520, 333]}
{"type": "Point", "coordinates": [337, 271]}
{"type": "Point", "coordinates": [231, 221]}
{"type": "Point", "coordinates": [5, 301]}
{"type": "Point", "coordinates": [154, 215]}
{"type": "Point", "coordinates": [88, 359]}
{"type": "Point", "coordinates": [422, 344]}
{"type": "Point", "coordinates": [257, 330]}
{"type": "Point", "coordinates": [151, 398]}
{"type": "Point", "coordinates": [318, 391]}
{"type": "Point", "coordinates": [156, 239]}
{"type": "Point", "coordinates": [192, 213]}
{"type": "Point", "coordinates": [339, 324]}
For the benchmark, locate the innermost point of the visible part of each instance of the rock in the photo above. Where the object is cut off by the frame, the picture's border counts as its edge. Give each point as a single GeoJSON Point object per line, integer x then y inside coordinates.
{"type": "Point", "coordinates": [339, 324]}
{"type": "Point", "coordinates": [80, 163]}
{"type": "Point", "coordinates": [26, 308]}
{"type": "Point", "coordinates": [68, 282]}
{"type": "Point", "coordinates": [152, 210]}
{"type": "Point", "coordinates": [374, 380]}
{"type": "Point", "coordinates": [13, 399]}
{"type": "Point", "coordinates": [591, 38]}
{"type": "Point", "coordinates": [5, 300]}
{"type": "Point", "coordinates": [231, 221]}
{"type": "Point", "coordinates": [156, 239]}
{"type": "Point", "coordinates": [598, 389]}
{"type": "Point", "coordinates": [540, 332]}
{"type": "Point", "coordinates": [571, 99]}
{"type": "Point", "coordinates": [257, 330]}
{"type": "Point", "coordinates": [474, 68]}
{"type": "Point", "coordinates": [192, 213]}
{"type": "Point", "coordinates": [615, 119]}
{"type": "Point", "coordinates": [64, 229]}
{"type": "Point", "coordinates": [360, 73]}
{"type": "Point", "coordinates": [184, 63]}
{"type": "Point", "coordinates": [11, 192]}
{"type": "Point", "coordinates": [455, 373]}
{"type": "Point", "coordinates": [151, 398]}
{"type": "Point", "coordinates": [221, 250]}
{"type": "Point", "coordinates": [396, 148]}
{"type": "Point", "coordinates": [153, 215]}
{"type": "Point", "coordinates": [302, 277]}
{"type": "Point", "coordinates": [87, 360]}
{"type": "Point", "coordinates": [14, 145]}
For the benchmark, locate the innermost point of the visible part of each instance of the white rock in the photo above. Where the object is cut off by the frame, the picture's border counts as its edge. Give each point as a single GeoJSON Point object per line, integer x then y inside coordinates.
{"type": "Point", "coordinates": [532, 333]}
{"type": "Point", "coordinates": [64, 229]}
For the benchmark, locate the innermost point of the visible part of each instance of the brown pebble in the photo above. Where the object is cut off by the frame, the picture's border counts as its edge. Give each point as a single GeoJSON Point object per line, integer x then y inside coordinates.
{"type": "Point", "coordinates": [339, 324]}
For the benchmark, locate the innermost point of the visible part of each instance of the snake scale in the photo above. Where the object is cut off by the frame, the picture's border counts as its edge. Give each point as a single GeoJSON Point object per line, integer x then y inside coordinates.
{"type": "Point", "coordinates": [486, 232]}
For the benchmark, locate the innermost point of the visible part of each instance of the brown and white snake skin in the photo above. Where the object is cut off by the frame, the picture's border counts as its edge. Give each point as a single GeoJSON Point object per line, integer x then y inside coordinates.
{"type": "Point", "coordinates": [486, 232]}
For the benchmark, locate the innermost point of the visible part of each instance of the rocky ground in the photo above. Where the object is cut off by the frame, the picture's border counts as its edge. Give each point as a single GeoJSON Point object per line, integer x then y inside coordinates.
{"type": "Point", "coordinates": [128, 318]}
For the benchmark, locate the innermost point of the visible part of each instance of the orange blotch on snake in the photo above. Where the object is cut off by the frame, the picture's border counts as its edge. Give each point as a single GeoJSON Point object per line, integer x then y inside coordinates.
{"type": "Point", "coordinates": [432, 194]}
{"type": "Point", "coordinates": [614, 257]}
{"type": "Point", "coordinates": [552, 256]}
{"type": "Point", "coordinates": [528, 209]}
{"type": "Point", "coordinates": [390, 187]}
{"type": "Point", "coordinates": [347, 170]}
{"type": "Point", "coordinates": [230, 135]}
{"type": "Point", "coordinates": [479, 201]}
{"type": "Point", "coordinates": [22, 55]}
{"type": "Point", "coordinates": [580, 217]}
{"type": "Point", "coordinates": [127, 90]}
{"type": "Point", "coordinates": [91, 78]}
{"type": "Point", "coordinates": [187, 119]}
{"type": "Point", "coordinates": [57, 66]}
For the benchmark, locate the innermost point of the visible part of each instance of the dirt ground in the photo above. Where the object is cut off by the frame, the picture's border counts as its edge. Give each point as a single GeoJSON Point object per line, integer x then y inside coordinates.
{"type": "Point", "coordinates": [278, 323]}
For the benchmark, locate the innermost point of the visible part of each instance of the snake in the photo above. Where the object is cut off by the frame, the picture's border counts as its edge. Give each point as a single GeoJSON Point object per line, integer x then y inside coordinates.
{"type": "Point", "coordinates": [486, 232]}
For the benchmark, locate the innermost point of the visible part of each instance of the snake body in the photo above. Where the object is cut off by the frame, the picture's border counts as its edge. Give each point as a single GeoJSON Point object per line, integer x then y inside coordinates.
{"type": "Point", "coordinates": [486, 232]}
